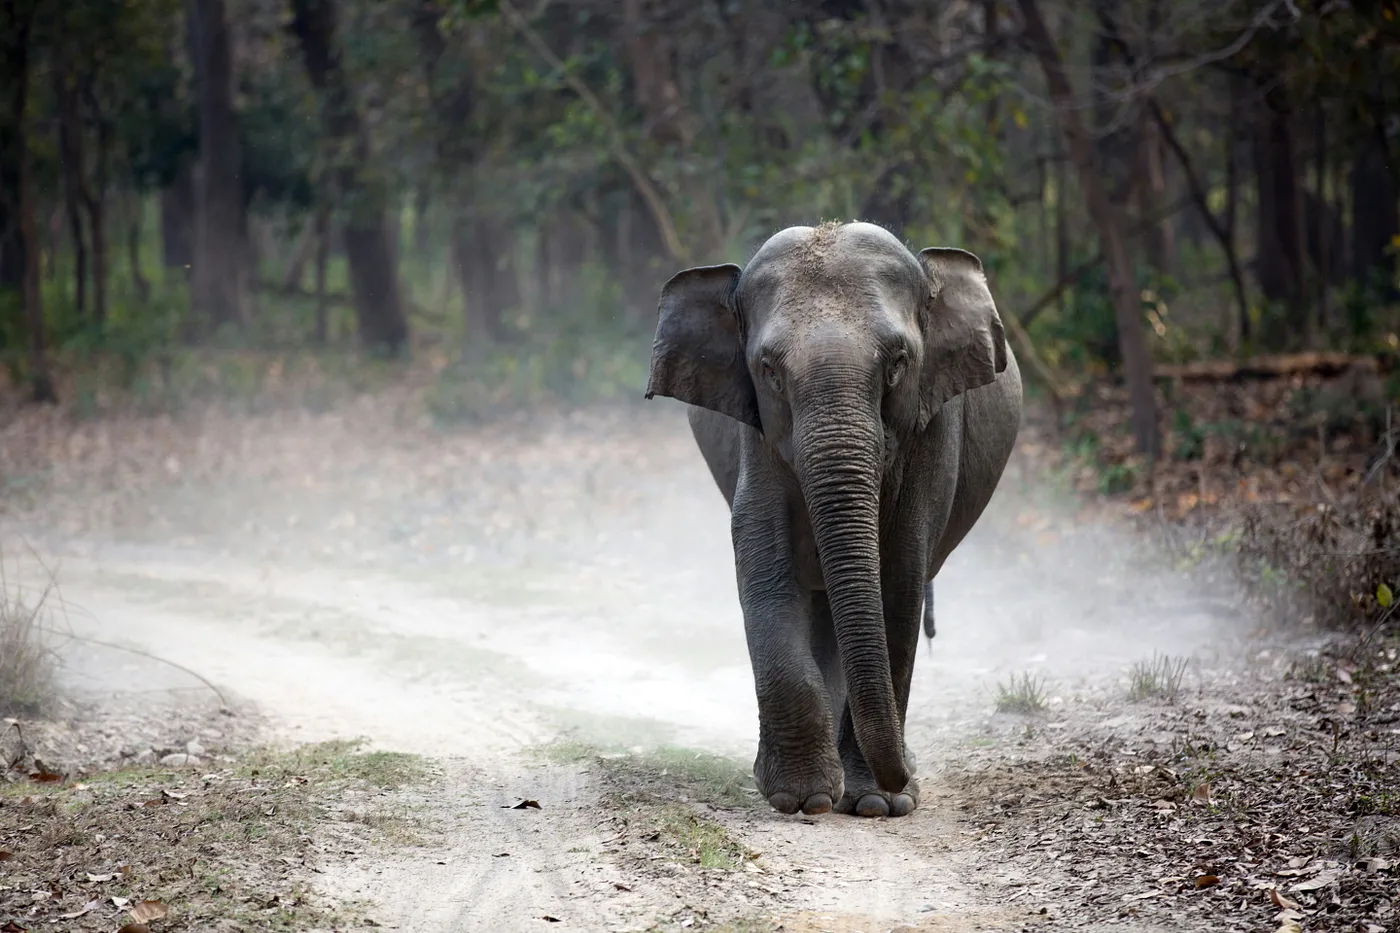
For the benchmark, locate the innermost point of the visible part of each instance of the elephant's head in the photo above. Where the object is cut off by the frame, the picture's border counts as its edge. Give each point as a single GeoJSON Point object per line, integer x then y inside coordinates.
{"type": "Point", "coordinates": [838, 345]}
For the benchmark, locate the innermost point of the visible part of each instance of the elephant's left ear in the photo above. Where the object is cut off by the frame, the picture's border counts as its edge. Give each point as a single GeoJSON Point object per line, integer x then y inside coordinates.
{"type": "Point", "coordinates": [965, 345]}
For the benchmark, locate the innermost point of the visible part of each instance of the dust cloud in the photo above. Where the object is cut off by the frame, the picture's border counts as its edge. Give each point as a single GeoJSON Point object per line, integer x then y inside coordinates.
{"type": "Point", "coordinates": [475, 591]}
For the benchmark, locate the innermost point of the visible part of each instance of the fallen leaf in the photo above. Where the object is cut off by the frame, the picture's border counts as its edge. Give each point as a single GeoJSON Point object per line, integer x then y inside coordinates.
{"type": "Point", "coordinates": [1321, 881]}
{"type": "Point", "coordinates": [6, 855]}
{"type": "Point", "coordinates": [1289, 926]}
{"type": "Point", "coordinates": [1282, 902]}
{"type": "Point", "coordinates": [548, 919]}
{"type": "Point", "coordinates": [45, 777]}
{"type": "Point", "coordinates": [120, 902]}
{"type": "Point", "coordinates": [171, 795]}
{"type": "Point", "coordinates": [1343, 675]}
{"type": "Point", "coordinates": [98, 879]}
{"type": "Point", "coordinates": [1384, 596]}
{"type": "Point", "coordinates": [87, 908]}
{"type": "Point", "coordinates": [148, 910]}
{"type": "Point", "coordinates": [135, 928]}
{"type": "Point", "coordinates": [524, 805]}
{"type": "Point", "coordinates": [1201, 793]}
{"type": "Point", "coordinates": [12, 927]}
{"type": "Point", "coordinates": [1207, 881]}
{"type": "Point", "coordinates": [622, 887]}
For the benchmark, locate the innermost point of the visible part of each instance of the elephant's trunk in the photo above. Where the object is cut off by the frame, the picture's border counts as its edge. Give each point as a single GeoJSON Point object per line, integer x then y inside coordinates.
{"type": "Point", "coordinates": [838, 455]}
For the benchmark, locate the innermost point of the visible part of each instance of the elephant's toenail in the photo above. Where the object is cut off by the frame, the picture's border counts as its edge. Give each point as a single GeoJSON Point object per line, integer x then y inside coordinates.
{"type": "Point", "coordinates": [902, 805]}
{"type": "Point", "coordinates": [817, 804]}
{"type": "Point", "coordinates": [873, 805]}
{"type": "Point", "coordinates": [783, 802]}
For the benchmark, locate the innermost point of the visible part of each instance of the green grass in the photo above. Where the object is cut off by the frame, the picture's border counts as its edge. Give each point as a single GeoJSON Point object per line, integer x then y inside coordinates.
{"type": "Point", "coordinates": [340, 760]}
{"type": "Point", "coordinates": [1159, 678]}
{"type": "Point", "coordinates": [688, 836]}
{"type": "Point", "coordinates": [1022, 694]}
{"type": "Point", "coordinates": [667, 771]}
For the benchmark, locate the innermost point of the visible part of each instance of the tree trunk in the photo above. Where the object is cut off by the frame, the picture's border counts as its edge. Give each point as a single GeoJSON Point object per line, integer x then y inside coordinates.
{"type": "Point", "coordinates": [96, 197]}
{"type": "Point", "coordinates": [70, 151]}
{"type": "Point", "coordinates": [1132, 338]}
{"type": "Point", "coordinates": [219, 281]}
{"type": "Point", "coordinates": [1280, 219]}
{"type": "Point", "coordinates": [177, 221]}
{"type": "Point", "coordinates": [133, 251]}
{"type": "Point", "coordinates": [368, 244]}
{"type": "Point", "coordinates": [1159, 239]}
{"type": "Point", "coordinates": [1230, 222]}
{"type": "Point", "coordinates": [323, 254]}
{"type": "Point", "coordinates": [1319, 237]}
{"type": "Point", "coordinates": [483, 249]}
{"type": "Point", "coordinates": [1375, 223]}
{"type": "Point", "coordinates": [19, 240]}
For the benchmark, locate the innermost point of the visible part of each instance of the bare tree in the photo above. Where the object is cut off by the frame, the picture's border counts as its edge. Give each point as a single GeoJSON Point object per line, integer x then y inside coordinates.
{"type": "Point", "coordinates": [1108, 220]}
{"type": "Point", "coordinates": [219, 282]}
{"type": "Point", "coordinates": [369, 246]}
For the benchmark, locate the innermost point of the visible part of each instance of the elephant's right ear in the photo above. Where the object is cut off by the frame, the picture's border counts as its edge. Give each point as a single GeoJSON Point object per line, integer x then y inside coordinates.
{"type": "Point", "coordinates": [698, 354]}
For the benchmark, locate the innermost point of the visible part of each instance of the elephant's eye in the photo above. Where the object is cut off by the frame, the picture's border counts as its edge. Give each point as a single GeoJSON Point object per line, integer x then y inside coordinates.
{"type": "Point", "coordinates": [897, 367]}
{"type": "Point", "coordinates": [770, 376]}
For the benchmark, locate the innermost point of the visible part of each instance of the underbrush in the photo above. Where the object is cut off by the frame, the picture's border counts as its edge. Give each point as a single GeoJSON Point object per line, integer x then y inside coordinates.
{"type": "Point", "coordinates": [26, 659]}
{"type": "Point", "coordinates": [1293, 483]}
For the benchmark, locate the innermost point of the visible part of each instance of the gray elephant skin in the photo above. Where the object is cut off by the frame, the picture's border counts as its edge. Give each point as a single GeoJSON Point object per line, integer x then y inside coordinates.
{"type": "Point", "coordinates": [856, 404]}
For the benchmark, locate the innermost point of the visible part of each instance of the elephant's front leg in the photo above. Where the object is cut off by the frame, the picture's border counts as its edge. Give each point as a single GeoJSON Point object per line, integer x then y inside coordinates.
{"type": "Point", "coordinates": [797, 767]}
{"type": "Point", "coordinates": [904, 602]}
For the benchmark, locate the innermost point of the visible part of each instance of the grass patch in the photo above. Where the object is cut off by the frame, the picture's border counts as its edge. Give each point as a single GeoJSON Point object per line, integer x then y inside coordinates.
{"type": "Point", "coordinates": [225, 849]}
{"type": "Point", "coordinates": [1159, 678]}
{"type": "Point", "coordinates": [1023, 694]}
{"type": "Point", "coordinates": [26, 660]}
{"type": "Point", "coordinates": [341, 760]}
{"type": "Point", "coordinates": [693, 838]}
{"type": "Point", "coordinates": [667, 772]}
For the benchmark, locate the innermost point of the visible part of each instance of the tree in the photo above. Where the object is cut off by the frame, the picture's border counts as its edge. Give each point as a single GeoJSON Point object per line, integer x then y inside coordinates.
{"type": "Point", "coordinates": [1108, 221]}
{"type": "Point", "coordinates": [19, 242]}
{"type": "Point", "coordinates": [359, 190]}
{"type": "Point", "coordinates": [219, 283]}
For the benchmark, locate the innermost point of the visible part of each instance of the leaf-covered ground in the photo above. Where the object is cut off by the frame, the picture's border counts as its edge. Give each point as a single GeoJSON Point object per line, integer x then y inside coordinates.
{"type": "Point", "coordinates": [232, 845]}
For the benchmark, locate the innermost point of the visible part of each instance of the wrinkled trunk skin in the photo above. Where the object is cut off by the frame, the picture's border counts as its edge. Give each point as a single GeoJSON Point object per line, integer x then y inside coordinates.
{"type": "Point", "coordinates": [838, 454]}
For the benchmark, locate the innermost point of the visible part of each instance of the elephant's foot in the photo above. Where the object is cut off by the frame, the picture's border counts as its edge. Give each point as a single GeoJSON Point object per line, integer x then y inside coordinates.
{"type": "Point", "coordinates": [869, 800]}
{"type": "Point", "coordinates": [792, 785]}
{"type": "Point", "coordinates": [864, 798]}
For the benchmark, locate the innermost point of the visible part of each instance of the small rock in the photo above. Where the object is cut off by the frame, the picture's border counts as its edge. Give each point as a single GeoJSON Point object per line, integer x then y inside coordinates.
{"type": "Point", "coordinates": [144, 758]}
{"type": "Point", "coordinates": [192, 747]}
{"type": "Point", "coordinates": [180, 760]}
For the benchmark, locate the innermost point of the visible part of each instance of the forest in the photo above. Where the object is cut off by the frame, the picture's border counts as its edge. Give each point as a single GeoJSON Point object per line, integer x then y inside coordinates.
{"type": "Point", "coordinates": [348, 579]}
{"type": "Point", "coordinates": [504, 186]}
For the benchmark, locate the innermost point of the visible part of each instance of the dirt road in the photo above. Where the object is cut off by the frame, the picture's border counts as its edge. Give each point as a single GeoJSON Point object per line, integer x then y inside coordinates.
{"type": "Point", "coordinates": [478, 596]}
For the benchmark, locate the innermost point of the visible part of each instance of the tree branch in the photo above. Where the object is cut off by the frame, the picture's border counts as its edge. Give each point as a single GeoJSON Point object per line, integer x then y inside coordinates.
{"type": "Point", "coordinates": [655, 203]}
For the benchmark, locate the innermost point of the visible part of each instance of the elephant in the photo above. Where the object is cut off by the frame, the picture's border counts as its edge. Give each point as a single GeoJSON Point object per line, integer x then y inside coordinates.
{"type": "Point", "coordinates": [856, 404]}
